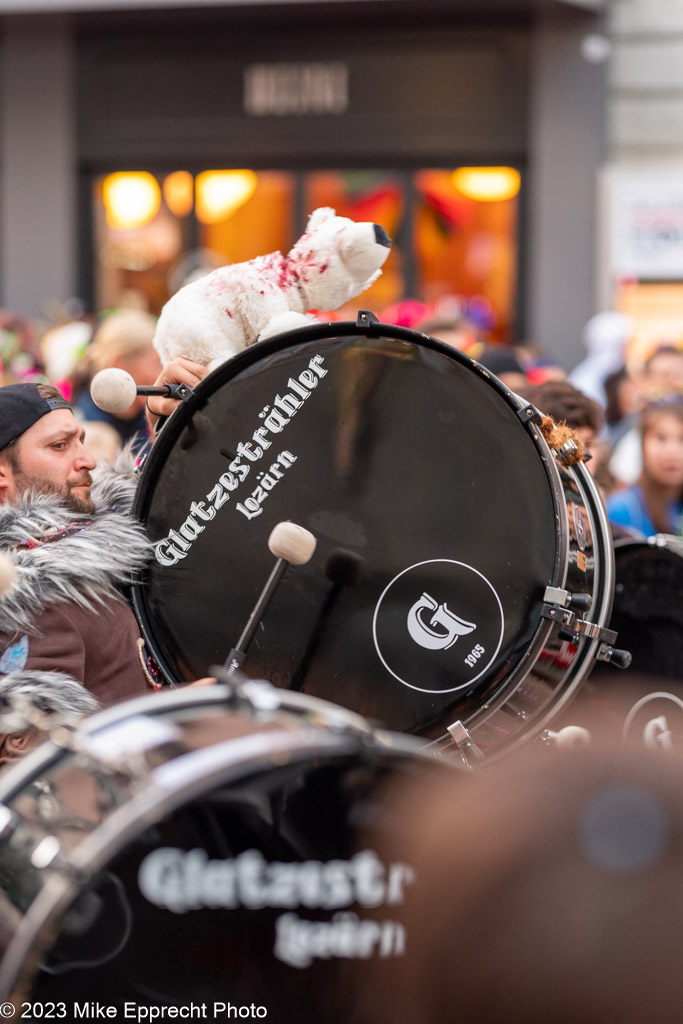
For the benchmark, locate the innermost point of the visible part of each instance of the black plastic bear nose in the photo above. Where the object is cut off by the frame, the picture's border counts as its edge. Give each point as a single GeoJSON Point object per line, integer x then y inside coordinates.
{"type": "Point", "coordinates": [381, 237]}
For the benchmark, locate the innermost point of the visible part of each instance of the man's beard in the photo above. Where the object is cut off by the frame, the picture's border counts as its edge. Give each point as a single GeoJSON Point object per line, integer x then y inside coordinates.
{"type": "Point", "coordinates": [74, 502]}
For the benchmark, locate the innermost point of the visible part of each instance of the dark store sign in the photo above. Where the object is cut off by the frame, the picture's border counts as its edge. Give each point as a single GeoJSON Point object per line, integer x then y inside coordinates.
{"type": "Point", "coordinates": [296, 88]}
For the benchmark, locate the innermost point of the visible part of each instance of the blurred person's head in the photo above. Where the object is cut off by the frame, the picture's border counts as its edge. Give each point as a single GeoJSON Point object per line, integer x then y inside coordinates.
{"type": "Point", "coordinates": [661, 430]}
{"type": "Point", "coordinates": [548, 887]}
{"type": "Point", "coordinates": [124, 341]}
{"type": "Point", "coordinates": [662, 373]}
{"type": "Point", "coordinates": [622, 395]}
{"type": "Point", "coordinates": [63, 348]}
{"type": "Point", "coordinates": [605, 336]}
{"type": "Point", "coordinates": [541, 367]}
{"type": "Point", "coordinates": [41, 447]}
{"type": "Point", "coordinates": [502, 361]}
{"type": "Point", "coordinates": [566, 404]}
{"type": "Point", "coordinates": [457, 332]}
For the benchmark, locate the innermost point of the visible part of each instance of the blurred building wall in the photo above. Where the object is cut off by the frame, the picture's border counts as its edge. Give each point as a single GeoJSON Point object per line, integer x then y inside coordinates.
{"type": "Point", "coordinates": [645, 85]}
{"type": "Point", "coordinates": [38, 163]}
{"type": "Point", "coordinates": [640, 244]}
{"type": "Point", "coordinates": [43, 151]}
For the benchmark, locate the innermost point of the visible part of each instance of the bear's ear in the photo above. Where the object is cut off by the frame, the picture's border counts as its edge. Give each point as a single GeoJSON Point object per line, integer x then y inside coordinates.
{"type": "Point", "coordinates": [319, 217]}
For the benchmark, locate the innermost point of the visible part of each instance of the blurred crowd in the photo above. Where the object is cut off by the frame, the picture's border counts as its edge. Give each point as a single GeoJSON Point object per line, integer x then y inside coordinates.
{"type": "Point", "coordinates": [68, 354]}
{"type": "Point", "coordinates": [626, 410]}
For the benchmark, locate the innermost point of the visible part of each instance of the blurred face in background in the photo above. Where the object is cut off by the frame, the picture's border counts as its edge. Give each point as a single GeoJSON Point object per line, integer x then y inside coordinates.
{"type": "Point", "coordinates": [663, 373]}
{"type": "Point", "coordinates": [663, 447]}
{"type": "Point", "coordinates": [586, 436]}
{"type": "Point", "coordinates": [628, 396]}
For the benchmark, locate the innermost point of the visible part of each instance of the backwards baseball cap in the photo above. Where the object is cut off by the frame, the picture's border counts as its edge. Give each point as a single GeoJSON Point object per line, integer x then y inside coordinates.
{"type": "Point", "coordinates": [21, 406]}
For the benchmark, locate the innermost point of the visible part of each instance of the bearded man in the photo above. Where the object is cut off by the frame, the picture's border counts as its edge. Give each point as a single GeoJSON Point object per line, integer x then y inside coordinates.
{"type": "Point", "coordinates": [68, 637]}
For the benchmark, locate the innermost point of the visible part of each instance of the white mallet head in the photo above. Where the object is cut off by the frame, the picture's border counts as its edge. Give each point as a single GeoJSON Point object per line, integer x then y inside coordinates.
{"type": "Point", "coordinates": [293, 543]}
{"type": "Point", "coordinates": [113, 390]}
{"type": "Point", "coordinates": [571, 737]}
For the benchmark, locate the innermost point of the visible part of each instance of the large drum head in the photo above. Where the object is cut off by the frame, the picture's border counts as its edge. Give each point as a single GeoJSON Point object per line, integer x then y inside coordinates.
{"type": "Point", "coordinates": [433, 505]}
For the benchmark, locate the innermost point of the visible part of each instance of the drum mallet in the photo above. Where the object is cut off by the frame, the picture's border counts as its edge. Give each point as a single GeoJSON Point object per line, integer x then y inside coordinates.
{"type": "Point", "coordinates": [114, 390]}
{"type": "Point", "coordinates": [343, 568]}
{"type": "Point", "coordinates": [291, 545]}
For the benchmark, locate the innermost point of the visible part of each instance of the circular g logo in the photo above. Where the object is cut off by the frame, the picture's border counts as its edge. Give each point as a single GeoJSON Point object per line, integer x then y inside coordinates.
{"type": "Point", "coordinates": [438, 626]}
{"type": "Point", "coordinates": [656, 720]}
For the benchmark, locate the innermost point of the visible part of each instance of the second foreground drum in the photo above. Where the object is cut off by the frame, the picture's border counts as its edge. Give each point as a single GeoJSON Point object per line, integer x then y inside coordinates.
{"type": "Point", "coordinates": [204, 847]}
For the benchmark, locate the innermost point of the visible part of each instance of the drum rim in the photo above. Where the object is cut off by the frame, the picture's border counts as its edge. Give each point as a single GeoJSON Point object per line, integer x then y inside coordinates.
{"type": "Point", "coordinates": [334, 717]}
{"type": "Point", "coordinates": [33, 764]}
{"type": "Point", "coordinates": [367, 325]}
{"type": "Point", "coordinates": [599, 615]}
{"type": "Point", "coordinates": [658, 541]}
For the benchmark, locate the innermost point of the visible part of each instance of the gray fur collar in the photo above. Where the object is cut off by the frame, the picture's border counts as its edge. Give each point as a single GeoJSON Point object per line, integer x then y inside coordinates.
{"type": "Point", "coordinates": [86, 559]}
{"type": "Point", "coordinates": [50, 693]}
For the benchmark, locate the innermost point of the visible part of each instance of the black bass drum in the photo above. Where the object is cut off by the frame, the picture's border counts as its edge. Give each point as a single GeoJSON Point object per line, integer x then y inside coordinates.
{"type": "Point", "coordinates": [463, 576]}
{"type": "Point", "coordinates": [644, 704]}
{"type": "Point", "coordinates": [202, 847]}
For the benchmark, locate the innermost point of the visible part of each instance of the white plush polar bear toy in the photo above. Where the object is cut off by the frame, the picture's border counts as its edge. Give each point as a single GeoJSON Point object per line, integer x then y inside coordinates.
{"type": "Point", "coordinates": [216, 316]}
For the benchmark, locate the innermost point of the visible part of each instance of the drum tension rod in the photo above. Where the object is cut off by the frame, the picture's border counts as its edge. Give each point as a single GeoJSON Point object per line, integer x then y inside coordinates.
{"type": "Point", "coordinates": [565, 598]}
{"type": "Point", "coordinates": [557, 608]}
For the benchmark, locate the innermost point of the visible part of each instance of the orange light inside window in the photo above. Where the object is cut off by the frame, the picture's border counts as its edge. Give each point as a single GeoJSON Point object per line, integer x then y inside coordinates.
{"type": "Point", "coordinates": [131, 198]}
{"type": "Point", "coordinates": [487, 184]}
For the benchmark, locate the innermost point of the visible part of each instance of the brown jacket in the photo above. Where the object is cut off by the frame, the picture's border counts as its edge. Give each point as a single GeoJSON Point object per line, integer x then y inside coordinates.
{"type": "Point", "coordinates": [99, 648]}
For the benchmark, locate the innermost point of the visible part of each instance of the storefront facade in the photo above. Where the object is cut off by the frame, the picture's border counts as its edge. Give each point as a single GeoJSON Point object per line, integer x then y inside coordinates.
{"type": "Point", "coordinates": [369, 113]}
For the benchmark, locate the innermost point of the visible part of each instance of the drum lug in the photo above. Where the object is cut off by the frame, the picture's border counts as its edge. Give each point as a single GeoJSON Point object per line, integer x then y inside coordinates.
{"type": "Point", "coordinates": [567, 453]}
{"type": "Point", "coordinates": [530, 414]}
{"type": "Point", "coordinates": [365, 317]}
{"type": "Point", "coordinates": [464, 744]}
{"type": "Point", "coordinates": [558, 612]}
{"type": "Point", "coordinates": [184, 392]}
{"type": "Point", "coordinates": [563, 616]}
{"type": "Point", "coordinates": [565, 599]}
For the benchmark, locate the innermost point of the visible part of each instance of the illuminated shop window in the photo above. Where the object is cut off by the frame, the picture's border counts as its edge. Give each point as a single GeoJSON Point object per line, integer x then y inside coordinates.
{"type": "Point", "coordinates": [454, 231]}
{"type": "Point", "coordinates": [467, 246]}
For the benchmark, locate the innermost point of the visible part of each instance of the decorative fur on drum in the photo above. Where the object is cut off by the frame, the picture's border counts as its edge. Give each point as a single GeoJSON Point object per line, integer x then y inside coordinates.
{"type": "Point", "coordinates": [215, 317]}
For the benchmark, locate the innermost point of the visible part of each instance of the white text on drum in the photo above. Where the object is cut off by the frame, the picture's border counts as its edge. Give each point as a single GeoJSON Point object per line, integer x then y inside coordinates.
{"type": "Point", "coordinates": [298, 941]}
{"type": "Point", "coordinates": [180, 880]}
{"type": "Point", "coordinates": [177, 543]}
